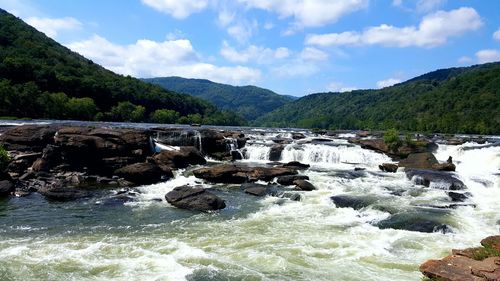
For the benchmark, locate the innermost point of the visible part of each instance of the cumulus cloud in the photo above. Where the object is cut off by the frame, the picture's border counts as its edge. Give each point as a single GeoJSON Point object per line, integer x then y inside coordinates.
{"type": "Point", "coordinates": [52, 26]}
{"type": "Point", "coordinates": [309, 13]}
{"type": "Point", "coordinates": [496, 35]}
{"type": "Point", "coordinates": [295, 68]}
{"type": "Point", "coordinates": [488, 55]}
{"type": "Point", "coordinates": [146, 58]}
{"type": "Point", "coordinates": [387, 82]}
{"type": "Point", "coordinates": [253, 53]}
{"type": "Point", "coordinates": [313, 54]}
{"type": "Point", "coordinates": [434, 30]}
{"type": "Point", "coordinates": [179, 9]}
{"type": "Point", "coordinates": [340, 87]}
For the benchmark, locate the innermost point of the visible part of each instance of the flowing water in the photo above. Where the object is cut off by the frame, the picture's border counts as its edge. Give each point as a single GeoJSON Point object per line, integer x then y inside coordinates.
{"type": "Point", "coordinates": [254, 238]}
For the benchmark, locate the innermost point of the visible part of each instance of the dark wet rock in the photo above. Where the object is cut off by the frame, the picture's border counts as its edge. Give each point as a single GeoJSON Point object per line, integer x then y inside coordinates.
{"type": "Point", "coordinates": [388, 167]}
{"type": "Point", "coordinates": [142, 173]}
{"type": "Point", "coordinates": [458, 196]}
{"type": "Point", "coordinates": [261, 189]}
{"type": "Point", "coordinates": [444, 180]}
{"type": "Point", "coordinates": [28, 137]}
{"type": "Point", "coordinates": [359, 169]}
{"type": "Point", "coordinates": [294, 197]}
{"type": "Point", "coordinates": [182, 158]}
{"type": "Point", "coordinates": [403, 151]}
{"type": "Point", "coordinates": [236, 155]}
{"type": "Point", "coordinates": [424, 161]}
{"type": "Point", "coordinates": [282, 141]}
{"type": "Point", "coordinates": [446, 167]}
{"type": "Point", "coordinates": [298, 136]}
{"type": "Point", "coordinates": [348, 174]}
{"type": "Point", "coordinates": [297, 165]}
{"type": "Point", "coordinates": [355, 202]}
{"type": "Point", "coordinates": [6, 187]}
{"type": "Point", "coordinates": [227, 173]}
{"type": "Point", "coordinates": [304, 185]}
{"type": "Point", "coordinates": [61, 190]}
{"type": "Point", "coordinates": [320, 140]}
{"type": "Point", "coordinates": [288, 180]}
{"type": "Point", "coordinates": [414, 221]}
{"type": "Point", "coordinates": [275, 152]}
{"type": "Point", "coordinates": [194, 198]}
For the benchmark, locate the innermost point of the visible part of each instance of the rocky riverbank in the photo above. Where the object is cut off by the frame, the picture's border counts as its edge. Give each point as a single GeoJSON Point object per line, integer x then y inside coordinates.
{"type": "Point", "coordinates": [475, 264]}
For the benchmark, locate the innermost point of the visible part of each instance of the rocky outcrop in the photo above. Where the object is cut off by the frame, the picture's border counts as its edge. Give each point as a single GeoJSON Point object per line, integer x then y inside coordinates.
{"type": "Point", "coordinates": [227, 173]}
{"type": "Point", "coordinates": [424, 161]}
{"type": "Point", "coordinates": [443, 180]}
{"type": "Point", "coordinates": [194, 198]}
{"type": "Point", "coordinates": [445, 167]}
{"type": "Point", "coordinates": [288, 180]}
{"type": "Point", "coordinates": [475, 264]}
{"type": "Point", "coordinates": [388, 167]}
{"type": "Point", "coordinates": [304, 185]}
{"type": "Point", "coordinates": [296, 165]}
{"type": "Point", "coordinates": [402, 152]}
{"type": "Point", "coordinates": [28, 137]}
{"type": "Point", "coordinates": [178, 159]}
{"type": "Point", "coordinates": [143, 173]}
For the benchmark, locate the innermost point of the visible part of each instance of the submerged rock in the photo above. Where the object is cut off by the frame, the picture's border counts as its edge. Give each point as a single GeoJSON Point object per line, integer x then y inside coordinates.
{"type": "Point", "coordinates": [227, 173]}
{"type": "Point", "coordinates": [6, 187]}
{"type": "Point", "coordinates": [355, 202]}
{"type": "Point", "coordinates": [288, 180]}
{"type": "Point", "coordinates": [414, 221]}
{"type": "Point", "coordinates": [194, 198]}
{"type": "Point", "coordinates": [261, 189]}
{"type": "Point", "coordinates": [458, 196]}
{"type": "Point", "coordinates": [143, 173]}
{"type": "Point", "coordinates": [443, 180]}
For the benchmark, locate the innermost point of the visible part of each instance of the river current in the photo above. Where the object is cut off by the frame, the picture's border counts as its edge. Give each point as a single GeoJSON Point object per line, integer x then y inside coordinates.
{"type": "Point", "coordinates": [253, 238]}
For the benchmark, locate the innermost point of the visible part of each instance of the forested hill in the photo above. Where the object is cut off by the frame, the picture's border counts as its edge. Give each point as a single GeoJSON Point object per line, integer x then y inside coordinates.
{"type": "Point", "coordinates": [249, 101]}
{"type": "Point", "coordinates": [455, 100]}
{"type": "Point", "coordinates": [40, 78]}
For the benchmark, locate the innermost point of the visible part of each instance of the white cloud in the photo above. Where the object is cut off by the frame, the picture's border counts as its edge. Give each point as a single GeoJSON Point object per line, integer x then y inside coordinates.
{"type": "Point", "coordinates": [425, 6]}
{"type": "Point", "coordinates": [340, 87]}
{"type": "Point", "coordinates": [397, 3]}
{"type": "Point", "coordinates": [387, 82]}
{"type": "Point", "coordinates": [52, 26]}
{"type": "Point", "coordinates": [242, 31]}
{"type": "Point", "coordinates": [147, 58]}
{"type": "Point", "coordinates": [254, 53]}
{"type": "Point", "coordinates": [465, 60]}
{"type": "Point", "coordinates": [295, 68]}
{"type": "Point", "coordinates": [488, 55]}
{"type": "Point", "coordinates": [179, 9]}
{"type": "Point", "coordinates": [309, 13]}
{"type": "Point", "coordinates": [313, 54]}
{"type": "Point", "coordinates": [434, 30]}
{"type": "Point", "coordinates": [496, 35]}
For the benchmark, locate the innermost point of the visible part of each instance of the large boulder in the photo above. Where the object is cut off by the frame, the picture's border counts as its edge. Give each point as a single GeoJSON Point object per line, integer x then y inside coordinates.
{"type": "Point", "coordinates": [275, 152]}
{"type": "Point", "coordinates": [142, 173]}
{"type": "Point", "coordinates": [288, 180]}
{"type": "Point", "coordinates": [87, 147]}
{"type": "Point", "coordinates": [194, 198]}
{"type": "Point", "coordinates": [6, 187]}
{"type": "Point", "coordinates": [388, 167]}
{"type": "Point", "coordinates": [403, 151]}
{"type": "Point", "coordinates": [182, 158]}
{"type": "Point", "coordinates": [28, 137]}
{"type": "Point", "coordinates": [304, 185]}
{"type": "Point", "coordinates": [442, 180]}
{"type": "Point", "coordinates": [424, 160]}
{"type": "Point", "coordinates": [227, 173]}
{"type": "Point", "coordinates": [355, 202]}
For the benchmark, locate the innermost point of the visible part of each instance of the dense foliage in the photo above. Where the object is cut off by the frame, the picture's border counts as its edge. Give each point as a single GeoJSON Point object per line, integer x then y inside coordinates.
{"type": "Point", "coordinates": [249, 101]}
{"type": "Point", "coordinates": [39, 78]}
{"type": "Point", "coordinates": [456, 100]}
{"type": "Point", "coordinates": [4, 159]}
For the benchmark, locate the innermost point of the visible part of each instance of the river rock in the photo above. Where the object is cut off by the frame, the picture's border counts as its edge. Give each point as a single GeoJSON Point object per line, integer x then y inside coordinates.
{"type": "Point", "coordinates": [61, 193]}
{"type": "Point", "coordinates": [304, 185]}
{"type": "Point", "coordinates": [461, 268]}
{"type": "Point", "coordinates": [414, 221]}
{"type": "Point", "coordinates": [297, 165]}
{"type": "Point", "coordinates": [444, 180]}
{"type": "Point", "coordinates": [178, 159]}
{"type": "Point", "coordinates": [458, 196]}
{"type": "Point", "coordinates": [142, 173]}
{"type": "Point", "coordinates": [355, 202]}
{"type": "Point", "coordinates": [28, 137]}
{"type": "Point", "coordinates": [446, 167]}
{"type": "Point", "coordinates": [298, 136]}
{"type": "Point", "coordinates": [491, 242]}
{"type": "Point", "coordinates": [288, 180]}
{"type": "Point", "coordinates": [194, 198]}
{"type": "Point", "coordinates": [6, 187]}
{"type": "Point", "coordinates": [388, 167]}
{"type": "Point", "coordinates": [403, 151]}
{"type": "Point", "coordinates": [227, 173]}
{"type": "Point", "coordinates": [424, 161]}
{"type": "Point", "coordinates": [275, 152]}
{"type": "Point", "coordinates": [261, 189]}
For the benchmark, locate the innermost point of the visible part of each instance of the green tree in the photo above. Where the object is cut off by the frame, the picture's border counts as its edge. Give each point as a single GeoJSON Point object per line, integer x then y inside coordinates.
{"type": "Point", "coordinates": [392, 140]}
{"type": "Point", "coordinates": [165, 116]}
{"type": "Point", "coordinates": [127, 111]}
{"type": "Point", "coordinates": [4, 159]}
{"type": "Point", "coordinates": [81, 108]}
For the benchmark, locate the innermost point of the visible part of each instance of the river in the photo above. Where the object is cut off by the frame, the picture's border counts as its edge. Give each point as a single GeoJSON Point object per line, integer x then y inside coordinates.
{"type": "Point", "coordinates": [255, 238]}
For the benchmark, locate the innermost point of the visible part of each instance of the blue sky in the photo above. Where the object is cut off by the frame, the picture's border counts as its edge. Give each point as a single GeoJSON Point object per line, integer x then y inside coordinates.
{"type": "Point", "coordinates": [293, 47]}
